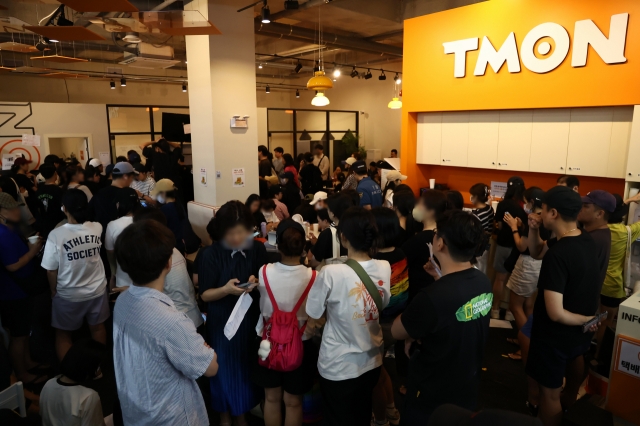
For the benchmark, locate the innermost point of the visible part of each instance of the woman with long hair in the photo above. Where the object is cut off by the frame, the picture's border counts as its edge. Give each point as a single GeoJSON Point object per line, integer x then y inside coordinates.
{"type": "Point", "coordinates": [351, 350]}
{"type": "Point", "coordinates": [513, 204]}
{"type": "Point", "coordinates": [234, 259]}
{"type": "Point", "coordinates": [290, 166]}
{"type": "Point", "coordinates": [484, 212]}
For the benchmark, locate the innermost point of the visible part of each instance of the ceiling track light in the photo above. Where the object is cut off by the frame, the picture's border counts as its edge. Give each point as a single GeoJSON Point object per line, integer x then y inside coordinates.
{"type": "Point", "coordinates": [297, 94]}
{"type": "Point", "coordinates": [266, 13]}
{"type": "Point", "coordinates": [382, 76]}
{"type": "Point", "coordinates": [354, 72]}
{"type": "Point", "coordinates": [397, 79]}
{"type": "Point", "coordinates": [123, 82]}
{"type": "Point", "coordinates": [260, 66]}
{"type": "Point", "coordinates": [298, 67]}
{"type": "Point", "coordinates": [268, 89]}
{"type": "Point", "coordinates": [336, 71]}
{"type": "Point", "coordinates": [113, 85]}
{"type": "Point", "coordinates": [368, 75]}
{"type": "Point", "coordinates": [184, 87]}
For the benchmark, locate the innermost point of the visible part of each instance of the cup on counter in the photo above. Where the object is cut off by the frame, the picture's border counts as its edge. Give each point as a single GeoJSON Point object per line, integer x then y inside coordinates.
{"type": "Point", "coordinates": [494, 206]}
{"type": "Point", "coordinates": [33, 239]}
{"type": "Point", "coordinates": [432, 183]}
{"type": "Point", "coordinates": [272, 238]}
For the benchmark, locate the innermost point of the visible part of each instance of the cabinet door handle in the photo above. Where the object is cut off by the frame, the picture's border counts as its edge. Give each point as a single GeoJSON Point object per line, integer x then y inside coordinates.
{"type": "Point", "coordinates": [570, 168]}
{"type": "Point", "coordinates": [502, 164]}
{"type": "Point", "coordinates": [494, 163]}
{"type": "Point", "coordinates": [561, 168]}
{"type": "Point", "coordinates": [630, 174]}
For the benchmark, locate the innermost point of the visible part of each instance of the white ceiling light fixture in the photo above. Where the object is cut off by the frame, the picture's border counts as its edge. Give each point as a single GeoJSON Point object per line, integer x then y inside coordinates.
{"type": "Point", "coordinates": [132, 37]}
{"type": "Point", "coordinates": [336, 72]}
{"type": "Point", "coordinates": [397, 79]}
{"type": "Point", "coordinates": [320, 100]}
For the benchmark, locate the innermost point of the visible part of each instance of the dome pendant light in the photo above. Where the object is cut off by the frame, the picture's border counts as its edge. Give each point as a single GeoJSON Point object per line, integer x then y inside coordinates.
{"type": "Point", "coordinates": [320, 100]}
{"type": "Point", "coordinates": [319, 82]}
{"type": "Point", "coordinates": [395, 103]}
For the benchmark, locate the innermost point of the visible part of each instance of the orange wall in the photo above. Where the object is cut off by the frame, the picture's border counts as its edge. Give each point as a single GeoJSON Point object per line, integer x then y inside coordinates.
{"type": "Point", "coordinates": [429, 83]}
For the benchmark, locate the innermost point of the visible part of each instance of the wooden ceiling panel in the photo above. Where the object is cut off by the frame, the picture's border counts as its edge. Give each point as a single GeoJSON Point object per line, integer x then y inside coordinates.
{"type": "Point", "coordinates": [100, 5]}
{"type": "Point", "coordinates": [10, 46]}
{"type": "Point", "coordinates": [66, 33]}
{"type": "Point", "coordinates": [58, 58]}
{"type": "Point", "coordinates": [65, 75]}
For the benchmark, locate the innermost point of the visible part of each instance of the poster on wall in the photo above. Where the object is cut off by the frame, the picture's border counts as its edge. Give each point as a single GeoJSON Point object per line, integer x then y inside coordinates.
{"type": "Point", "coordinates": [31, 140]}
{"type": "Point", "coordinates": [238, 177]}
{"type": "Point", "coordinates": [105, 158]}
{"type": "Point", "coordinates": [498, 189]}
{"type": "Point", "coordinates": [629, 358]}
{"type": "Point", "coordinates": [7, 161]}
{"type": "Point", "coordinates": [203, 177]}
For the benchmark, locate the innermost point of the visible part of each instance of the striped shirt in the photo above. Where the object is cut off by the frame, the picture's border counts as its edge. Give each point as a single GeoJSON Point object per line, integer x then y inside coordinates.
{"type": "Point", "coordinates": [145, 187]}
{"type": "Point", "coordinates": [158, 355]}
{"type": "Point", "coordinates": [350, 182]}
{"type": "Point", "coordinates": [486, 216]}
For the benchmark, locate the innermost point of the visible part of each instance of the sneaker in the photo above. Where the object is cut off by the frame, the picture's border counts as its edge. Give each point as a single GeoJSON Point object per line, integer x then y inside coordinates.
{"type": "Point", "coordinates": [509, 316]}
{"type": "Point", "coordinates": [495, 314]}
{"type": "Point", "coordinates": [393, 416]}
{"type": "Point", "coordinates": [98, 374]}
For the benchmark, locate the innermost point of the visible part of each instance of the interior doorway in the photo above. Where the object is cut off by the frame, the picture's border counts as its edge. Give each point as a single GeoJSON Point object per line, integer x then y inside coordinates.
{"type": "Point", "coordinates": [68, 148]}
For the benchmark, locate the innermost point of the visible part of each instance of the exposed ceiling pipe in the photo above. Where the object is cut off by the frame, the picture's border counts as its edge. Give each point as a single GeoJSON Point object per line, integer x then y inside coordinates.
{"type": "Point", "coordinates": [384, 36]}
{"type": "Point", "coordinates": [164, 4]}
{"type": "Point", "coordinates": [296, 33]}
{"type": "Point", "coordinates": [306, 5]}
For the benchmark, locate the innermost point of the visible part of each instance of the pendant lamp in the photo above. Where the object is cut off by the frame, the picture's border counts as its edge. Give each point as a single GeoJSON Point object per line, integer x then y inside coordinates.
{"type": "Point", "coordinates": [305, 136]}
{"type": "Point", "coordinates": [327, 137]}
{"type": "Point", "coordinates": [395, 103]}
{"type": "Point", "coordinates": [320, 100]}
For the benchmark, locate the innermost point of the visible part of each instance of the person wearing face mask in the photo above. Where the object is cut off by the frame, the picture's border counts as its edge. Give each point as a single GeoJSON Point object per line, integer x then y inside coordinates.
{"type": "Point", "coordinates": [318, 201]}
{"type": "Point", "coordinates": [523, 282]}
{"type": "Point", "coordinates": [166, 195]}
{"type": "Point", "coordinates": [394, 178]}
{"type": "Point", "coordinates": [482, 210]}
{"type": "Point", "coordinates": [235, 258]}
{"type": "Point", "coordinates": [448, 323]}
{"type": "Point", "coordinates": [76, 274]}
{"type": "Point", "coordinates": [429, 207]}
{"type": "Point", "coordinates": [512, 204]}
{"type": "Point", "coordinates": [18, 267]}
{"type": "Point", "coordinates": [328, 245]}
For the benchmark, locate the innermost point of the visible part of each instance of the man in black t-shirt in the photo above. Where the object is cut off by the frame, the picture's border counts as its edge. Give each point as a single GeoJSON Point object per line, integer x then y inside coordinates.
{"type": "Point", "coordinates": [49, 196]}
{"type": "Point", "coordinates": [449, 322]}
{"type": "Point", "coordinates": [568, 290]}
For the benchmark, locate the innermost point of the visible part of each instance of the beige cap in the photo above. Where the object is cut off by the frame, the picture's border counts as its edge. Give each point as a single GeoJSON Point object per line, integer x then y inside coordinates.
{"type": "Point", "coordinates": [394, 175]}
{"type": "Point", "coordinates": [163, 185]}
{"type": "Point", "coordinates": [320, 195]}
{"type": "Point", "coordinates": [350, 161]}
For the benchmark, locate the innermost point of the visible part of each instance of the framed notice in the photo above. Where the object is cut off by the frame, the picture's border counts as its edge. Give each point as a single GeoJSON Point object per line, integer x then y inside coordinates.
{"type": "Point", "coordinates": [238, 177]}
{"type": "Point", "coordinates": [628, 357]}
{"type": "Point", "coordinates": [498, 189]}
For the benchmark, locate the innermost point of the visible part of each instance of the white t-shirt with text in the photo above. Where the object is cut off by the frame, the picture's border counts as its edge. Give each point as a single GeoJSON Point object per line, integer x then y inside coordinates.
{"type": "Point", "coordinates": [74, 250]}
{"type": "Point", "coordinates": [287, 284]}
{"type": "Point", "coordinates": [352, 338]}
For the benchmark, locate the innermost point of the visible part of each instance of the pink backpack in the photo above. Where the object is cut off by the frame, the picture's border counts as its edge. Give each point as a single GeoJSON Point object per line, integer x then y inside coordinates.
{"type": "Point", "coordinates": [283, 332]}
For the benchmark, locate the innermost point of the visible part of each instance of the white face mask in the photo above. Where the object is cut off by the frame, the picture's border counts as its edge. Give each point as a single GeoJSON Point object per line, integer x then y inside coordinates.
{"type": "Point", "coordinates": [160, 198]}
{"type": "Point", "coordinates": [527, 210]}
{"type": "Point", "coordinates": [418, 214]}
{"type": "Point", "coordinates": [62, 209]}
{"type": "Point", "coordinates": [318, 206]}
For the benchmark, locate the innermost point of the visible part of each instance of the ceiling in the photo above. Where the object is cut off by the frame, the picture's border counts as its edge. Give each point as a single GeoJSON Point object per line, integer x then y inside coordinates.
{"type": "Point", "coordinates": [365, 33]}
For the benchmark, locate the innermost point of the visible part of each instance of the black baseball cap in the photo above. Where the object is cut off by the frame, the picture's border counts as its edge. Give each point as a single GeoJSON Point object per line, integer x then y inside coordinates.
{"type": "Point", "coordinates": [359, 167]}
{"type": "Point", "coordinates": [288, 224]}
{"type": "Point", "coordinates": [140, 168]}
{"type": "Point", "coordinates": [565, 200]}
{"type": "Point", "coordinates": [537, 197]}
{"type": "Point", "coordinates": [515, 180]}
{"type": "Point", "coordinates": [602, 199]}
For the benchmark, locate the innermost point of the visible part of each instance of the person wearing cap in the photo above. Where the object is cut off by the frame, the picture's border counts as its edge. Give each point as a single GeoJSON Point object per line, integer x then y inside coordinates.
{"type": "Point", "coordinates": [525, 270]}
{"type": "Point", "coordinates": [76, 274]}
{"type": "Point", "coordinates": [568, 289]}
{"type": "Point", "coordinates": [613, 292]}
{"type": "Point", "coordinates": [512, 203]}
{"type": "Point", "coordinates": [281, 211]}
{"type": "Point", "coordinates": [49, 196]}
{"type": "Point", "coordinates": [18, 267]}
{"type": "Point", "coordinates": [165, 193]}
{"type": "Point", "coordinates": [97, 164]}
{"type": "Point", "coordinates": [394, 178]}
{"type": "Point", "coordinates": [318, 201]}
{"type": "Point", "coordinates": [127, 203]}
{"type": "Point", "coordinates": [310, 176]}
{"type": "Point", "coordinates": [102, 207]}
{"type": "Point", "coordinates": [143, 182]}
{"type": "Point", "coordinates": [370, 192]}
{"type": "Point", "coordinates": [350, 182]}
{"type": "Point", "coordinates": [288, 280]}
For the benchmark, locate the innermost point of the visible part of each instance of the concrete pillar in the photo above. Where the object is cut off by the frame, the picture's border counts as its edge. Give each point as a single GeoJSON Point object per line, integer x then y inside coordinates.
{"type": "Point", "coordinates": [222, 83]}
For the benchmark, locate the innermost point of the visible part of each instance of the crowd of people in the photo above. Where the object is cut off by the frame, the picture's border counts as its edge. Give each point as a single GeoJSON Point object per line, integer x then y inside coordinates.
{"type": "Point", "coordinates": [362, 268]}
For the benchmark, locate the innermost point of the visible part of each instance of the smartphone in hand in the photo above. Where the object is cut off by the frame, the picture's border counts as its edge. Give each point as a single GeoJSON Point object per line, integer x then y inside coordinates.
{"type": "Point", "coordinates": [598, 318]}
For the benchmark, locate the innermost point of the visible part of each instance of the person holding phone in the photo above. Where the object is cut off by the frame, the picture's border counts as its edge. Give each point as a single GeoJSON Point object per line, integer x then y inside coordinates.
{"type": "Point", "coordinates": [234, 258]}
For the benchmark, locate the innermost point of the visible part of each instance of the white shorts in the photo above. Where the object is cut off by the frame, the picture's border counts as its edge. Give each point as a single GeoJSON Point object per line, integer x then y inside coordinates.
{"type": "Point", "coordinates": [524, 278]}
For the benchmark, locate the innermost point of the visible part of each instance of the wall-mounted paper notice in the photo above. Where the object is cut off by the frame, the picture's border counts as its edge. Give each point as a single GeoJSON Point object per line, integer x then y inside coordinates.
{"type": "Point", "coordinates": [105, 158]}
{"type": "Point", "coordinates": [203, 177]}
{"type": "Point", "coordinates": [31, 140]}
{"type": "Point", "coordinates": [187, 129]}
{"type": "Point", "coordinates": [238, 177]}
{"type": "Point", "coordinates": [7, 161]}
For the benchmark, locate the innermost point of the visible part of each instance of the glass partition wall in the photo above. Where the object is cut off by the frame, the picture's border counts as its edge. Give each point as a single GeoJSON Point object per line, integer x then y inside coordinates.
{"type": "Point", "coordinates": [132, 125]}
{"type": "Point", "coordinates": [298, 130]}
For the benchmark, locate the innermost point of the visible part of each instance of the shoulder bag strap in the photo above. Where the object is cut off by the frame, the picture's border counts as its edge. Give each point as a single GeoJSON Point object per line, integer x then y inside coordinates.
{"type": "Point", "coordinates": [626, 276]}
{"type": "Point", "coordinates": [303, 297]}
{"type": "Point", "coordinates": [266, 284]}
{"type": "Point", "coordinates": [335, 243]}
{"type": "Point", "coordinates": [368, 283]}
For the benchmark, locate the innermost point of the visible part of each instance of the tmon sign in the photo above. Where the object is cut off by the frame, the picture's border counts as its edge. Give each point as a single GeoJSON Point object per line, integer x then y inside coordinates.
{"type": "Point", "coordinates": [535, 51]}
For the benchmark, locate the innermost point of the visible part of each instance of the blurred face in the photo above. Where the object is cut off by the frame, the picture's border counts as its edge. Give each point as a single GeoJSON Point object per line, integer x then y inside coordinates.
{"type": "Point", "coordinates": [79, 176]}
{"type": "Point", "coordinates": [236, 236]}
{"type": "Point", "coordinates": [590, 213]}
{"type": "Point", "coordinates": [320, 205]}
{"type": "Point", "coordinates": [254, 206]}
{"type": "Point", "coordinates": [10, 215]}
{"type": "Point", "coordinates": [548, 216]}
{"type": "Point", "coordinates": [142, 176]}
{"type": "Point", "coordinates": [24, 168]}
{"type": "Point", "coordinates": [277, 154]}
{"type": "Point", "coordinates": [323, 224]}
{"type": "Point", "coordinates": [394, 154]}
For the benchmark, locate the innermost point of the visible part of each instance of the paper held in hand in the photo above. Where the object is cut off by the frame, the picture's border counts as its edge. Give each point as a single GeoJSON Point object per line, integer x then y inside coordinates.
{"type": "Point", "coordinates": [237, 315]}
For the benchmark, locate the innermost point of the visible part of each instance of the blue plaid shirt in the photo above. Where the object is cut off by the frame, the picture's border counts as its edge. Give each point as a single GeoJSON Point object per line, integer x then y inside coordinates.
{"type": "Point", "coordinates": [157, 356]}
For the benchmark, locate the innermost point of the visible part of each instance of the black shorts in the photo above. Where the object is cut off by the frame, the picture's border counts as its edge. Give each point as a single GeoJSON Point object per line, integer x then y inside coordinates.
{"type": "Point", "coordinates": [16, 316]}
{"type": "Point", "coordinates": [296, 382]}
{"type": "Point", "coordinates": [611, 302]}
{"type": "Point", "coordinates": [348, 402]}
{"type": "Point", "coordinates": [546, 364]}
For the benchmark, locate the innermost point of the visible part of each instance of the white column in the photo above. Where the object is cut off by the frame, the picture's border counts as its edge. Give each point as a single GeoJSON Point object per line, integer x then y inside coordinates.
{"type": "Point", "coordinates": [222, 83]}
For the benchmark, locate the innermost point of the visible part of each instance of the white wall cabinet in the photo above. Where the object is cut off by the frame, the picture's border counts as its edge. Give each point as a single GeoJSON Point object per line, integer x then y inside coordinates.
{"type": "Point", "coordinates": [429, 138]}
{"type": "Point", "coordinates": [549, 140]}
{"type": "Point", "coordinates": [484, 129]}
{"type": "Point", "coordinates": [514, 144]}
{"type": "Point", "coordinates": [455, 139]}
{"type": "Point", "coordinates": [602, 142]}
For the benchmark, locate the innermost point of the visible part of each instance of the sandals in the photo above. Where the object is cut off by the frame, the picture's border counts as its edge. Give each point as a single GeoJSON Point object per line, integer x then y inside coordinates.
{"type": "Point", "coordinates": [516, 356]}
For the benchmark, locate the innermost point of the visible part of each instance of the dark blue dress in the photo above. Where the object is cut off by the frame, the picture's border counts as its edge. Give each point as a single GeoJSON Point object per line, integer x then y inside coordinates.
{"type": "Point", "coordinates": [231, 389]}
